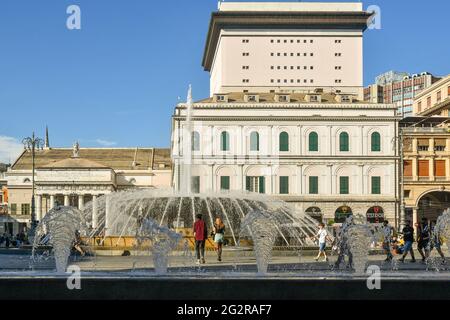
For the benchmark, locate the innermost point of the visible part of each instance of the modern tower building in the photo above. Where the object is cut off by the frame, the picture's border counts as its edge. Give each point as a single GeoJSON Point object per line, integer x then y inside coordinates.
{"type": "Point", "coordinates": [289, 47]}
{"type": "Point", "coordinates": [399, 88]}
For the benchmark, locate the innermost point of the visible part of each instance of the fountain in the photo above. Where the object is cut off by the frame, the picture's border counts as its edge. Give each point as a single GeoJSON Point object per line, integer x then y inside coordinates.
{"type": "Point", "coordinates": [159, 240]}
{"type": "Point", "coordinates": [262, 229]}
{"type": "Point", "coordinates": [359, 239]}
{"type": "Point", "coordinates": [354, 240]}
{"type": "Point", "coordinates": [442, 228]}
{"type": "Point", "coordinates": [58, 229]}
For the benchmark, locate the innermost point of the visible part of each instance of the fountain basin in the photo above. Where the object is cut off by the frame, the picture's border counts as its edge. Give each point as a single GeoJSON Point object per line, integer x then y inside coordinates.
{"type": "Point", "coordinates": [326, 287]}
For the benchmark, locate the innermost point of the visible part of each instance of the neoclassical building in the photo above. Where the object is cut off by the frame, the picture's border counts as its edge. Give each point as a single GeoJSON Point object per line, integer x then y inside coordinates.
{"type": "Point", "coordinates": [327, 154]}
{"type": "Point", "coordinates": [76, 176]}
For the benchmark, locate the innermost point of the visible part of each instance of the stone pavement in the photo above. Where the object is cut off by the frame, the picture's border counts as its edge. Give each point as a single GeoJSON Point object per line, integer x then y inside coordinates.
{"type": "Point", "coordinates": [230, 261]}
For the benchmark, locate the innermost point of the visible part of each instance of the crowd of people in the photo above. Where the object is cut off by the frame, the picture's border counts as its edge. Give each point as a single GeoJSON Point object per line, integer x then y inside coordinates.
{"type": "Point", "coordinates": [392, 243]}
{"type": "Point", "coordinates": [9, 241]}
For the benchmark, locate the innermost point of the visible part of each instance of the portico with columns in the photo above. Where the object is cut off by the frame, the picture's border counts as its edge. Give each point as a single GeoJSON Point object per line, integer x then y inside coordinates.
{"type": "Point", "coordinates": [72, 182]}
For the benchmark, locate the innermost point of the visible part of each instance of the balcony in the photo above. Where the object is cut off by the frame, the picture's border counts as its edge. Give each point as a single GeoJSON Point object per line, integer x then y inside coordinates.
{"type": "Point", "coordinates": [409, 179]}
{"type": "Point", "coordinates": [424, 130]}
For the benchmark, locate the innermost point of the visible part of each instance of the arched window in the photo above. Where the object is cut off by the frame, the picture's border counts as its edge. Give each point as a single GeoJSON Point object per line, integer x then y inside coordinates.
{"type": "Point", "coordinates": [315, 213]}
{"type": "Point", "coordinates": [254, 141]}
{"type": "Point", "coordinates": [343, 142]}
{"type": "Point", "coordinates": [195, 141]}
{"type": "Point", "coordinates": [342, 213]}
{"type": "Point", "coordinates": [313, 143]}
{"type": "Point", "coordinates": [224, 141]}
{"type": "Point", "coordinates": [375, 141]}
{"type": "Point", "coordinates": [375, 214]}
{"type": "Point", "coordinates": [284, 141]}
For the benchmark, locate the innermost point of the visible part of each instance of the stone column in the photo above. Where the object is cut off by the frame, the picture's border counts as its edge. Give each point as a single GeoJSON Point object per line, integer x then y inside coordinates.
{"type": "Point", "coordinates": [212, 186]}
{"type": "Point", "coordinates": [241, 178]}
{"type": "Point", "coordinates": [431, 147]}
{"type": "Point", "coordinates": [414, 145]}
{"type": "Point", "coordinates": [94, 212]}
{"type": "Point", "coordinates": [270, 142]}
{"type": "Point", "coordinates": [108, 218]}
{"type": "Point", "coordinates": [66, 200]}
{"type": "Point", "coordinates": [330, 179]}
{"type": "Point", "coordinates": [415, 219]}
{"type": "Point", "coordinates": [299, 179]}
{"type": "Point", "coordinates": [447, 168]}
{"type": "Point", "coordinates": [330, 141]}
{"type": "Point", "coordinates": [39, 207]}
{"type": "Point", "coordinates": [240, 150]}
{"type": "Point", "coordinates": [362, 189]}
{"type": "Point", "coordinates": [212, 146]}
{"type": "Point", "coordinates": [365, 140]}
{"type": "Point", "coordinates": [431, 167]}
{"type": "Point", "coordinates": [81, 201]}
{"type": "Point", "coordinates": [414, 168]}
{"type": "Point", "coordinates": [52, 201]}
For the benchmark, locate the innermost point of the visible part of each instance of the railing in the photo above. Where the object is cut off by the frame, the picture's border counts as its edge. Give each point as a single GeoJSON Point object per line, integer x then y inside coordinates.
{"type": "Point", "coordinates": [425, 129]}
{"type": "Point", "coordinates": [409, 179]}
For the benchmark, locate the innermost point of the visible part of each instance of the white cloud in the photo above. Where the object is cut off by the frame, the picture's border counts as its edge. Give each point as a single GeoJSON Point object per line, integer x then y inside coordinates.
{"type": "Point", "coordinates": [105, 143]}
{"type": "Point", "coordinates": [10, 149]}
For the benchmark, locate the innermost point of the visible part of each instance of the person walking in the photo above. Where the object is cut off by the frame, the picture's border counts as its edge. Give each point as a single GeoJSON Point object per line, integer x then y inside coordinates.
{"type": "Point", "coordinates": [322, 236]}
{"type": "Point", "coordinates": [423, 239]}
{"type": "Point", "coordinates": [200, 235]}
{"type": "Point", "coordinates": [218, 234]}
{"type": "Point", "coordinates": [7, 241]}
{"type": "Point", "coordinates": [387, 233]}
{"type": "Point", "coordinates": [408, 237]}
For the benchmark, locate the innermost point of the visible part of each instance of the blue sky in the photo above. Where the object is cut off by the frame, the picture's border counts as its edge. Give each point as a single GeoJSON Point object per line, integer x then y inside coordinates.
{"type": "Point", "coordinates": [116, 81]}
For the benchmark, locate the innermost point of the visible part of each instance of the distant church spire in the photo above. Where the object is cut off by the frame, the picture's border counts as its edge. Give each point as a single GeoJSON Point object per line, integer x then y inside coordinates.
{"type": "Point", "coordinates": [47, 143]}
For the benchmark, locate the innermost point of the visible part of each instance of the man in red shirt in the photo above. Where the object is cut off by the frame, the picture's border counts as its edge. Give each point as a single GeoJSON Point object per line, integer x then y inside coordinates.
{"type": "Point", "coordinates": [200, 235]}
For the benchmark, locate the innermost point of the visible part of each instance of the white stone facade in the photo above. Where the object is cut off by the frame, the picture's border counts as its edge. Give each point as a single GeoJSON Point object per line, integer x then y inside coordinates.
{"type": "Point", "coordinates": [298, 120]}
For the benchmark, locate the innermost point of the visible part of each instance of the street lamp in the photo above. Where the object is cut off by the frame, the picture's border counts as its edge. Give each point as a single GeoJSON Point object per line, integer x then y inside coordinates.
{"type": "Point", "coordinates": [31, 144]}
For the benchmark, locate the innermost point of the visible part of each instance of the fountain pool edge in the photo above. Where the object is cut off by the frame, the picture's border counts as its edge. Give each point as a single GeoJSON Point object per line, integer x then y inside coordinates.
{"type": "Point", "coordinates": [214, 288]}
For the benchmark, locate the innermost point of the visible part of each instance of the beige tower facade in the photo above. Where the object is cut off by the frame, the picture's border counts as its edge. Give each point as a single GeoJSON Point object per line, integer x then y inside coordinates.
{"type": "Point", "coordinates": [286, 47]}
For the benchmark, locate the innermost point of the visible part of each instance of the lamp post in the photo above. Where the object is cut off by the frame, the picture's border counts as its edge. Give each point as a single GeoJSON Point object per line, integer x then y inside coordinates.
{"type": "Point", "coordinates": [31, 144]}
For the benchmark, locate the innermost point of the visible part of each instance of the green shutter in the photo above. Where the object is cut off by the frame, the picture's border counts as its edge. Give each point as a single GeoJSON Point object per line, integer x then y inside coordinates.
{"type": "Point", "coordinates": [195, 184]}
{"type": "Point", "coordinates": [314, 185]}
{"type": "Point", "coordinates": [284, 141]}
{"type": "Point", "coordinates": [343, 185]}
{"type": "Point", "coordinates": [195, 141]}
{"type": "Point", "coordinates": [247, 183]}
{"type": "Point", "coordinates": [254, 141]}
{"type": "Point", "coordinates": [225, 141]}
{"type": "Point", "coordinates": [262, 185]}
{"type": "Point", "coordinates": [343, 142]}
{"type": "Point", "coordinates": [376, 185]}
{"type": "Point", "coordinates": [284, 185]}
{"type": "Point", "coordinates": [224, 183]}
{"type": "Point", "coordinates": [376, 141]}
{"type": "Point", "coordinates": [313, 142]}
